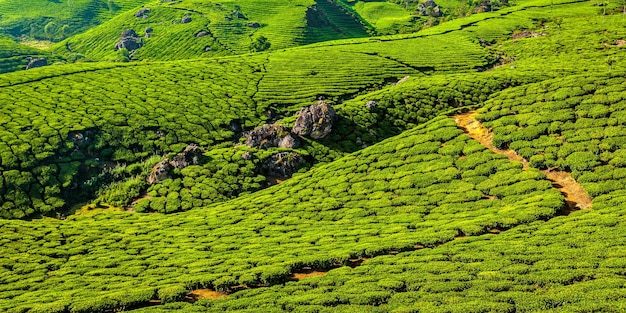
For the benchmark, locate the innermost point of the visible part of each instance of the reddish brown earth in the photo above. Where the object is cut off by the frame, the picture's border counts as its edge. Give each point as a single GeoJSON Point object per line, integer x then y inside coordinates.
{"type": "Point", "coordinates": [198, 294]}
{"type": "Point", "coordinates": [576, 198]}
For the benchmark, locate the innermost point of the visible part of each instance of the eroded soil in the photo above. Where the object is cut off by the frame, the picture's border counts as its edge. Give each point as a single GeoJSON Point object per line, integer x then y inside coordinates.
{"type": "Point", "coordinates": [576, 198]}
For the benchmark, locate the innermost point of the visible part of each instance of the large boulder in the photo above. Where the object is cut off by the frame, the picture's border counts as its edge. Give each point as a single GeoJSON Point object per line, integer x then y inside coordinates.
{"type": "Point", "coordinates": [160, 172]}
{"type": "Point", "coordinates": [36, 62]}
{"type": "Point", "coordinates": [282, 164]}
{"type": "Point", "coordinates": [129, 40]}
{"type": "Point", "coordinates": [271, 135]}
{"type": "Point", "coordinates": [315, 121]}
{"type": "Point", "coordinates": [190, 156]}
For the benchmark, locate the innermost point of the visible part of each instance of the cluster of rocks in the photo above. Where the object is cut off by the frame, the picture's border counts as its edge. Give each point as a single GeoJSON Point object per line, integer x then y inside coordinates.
{"type": "Point", "coordinates": [429, 8]}
{"type": "Point", "coordinates": [129, 40]}
{"type": "Point", "coordinates": [271, 136]}
{"type": "Point", "coordinates": [163, 170]}
{"type": "Point", "coordinates": [315, 121]}
{"type": "Point", "coordinates": [36, 62]}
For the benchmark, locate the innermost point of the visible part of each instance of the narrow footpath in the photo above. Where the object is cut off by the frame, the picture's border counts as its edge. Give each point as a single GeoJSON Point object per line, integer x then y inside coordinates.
{"type": "Point", "coordinates": [576, 198]}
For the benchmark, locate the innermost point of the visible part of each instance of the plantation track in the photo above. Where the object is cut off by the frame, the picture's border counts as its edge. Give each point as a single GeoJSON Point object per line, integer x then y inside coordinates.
{"type": "Point", "coordinates": [576, 197]}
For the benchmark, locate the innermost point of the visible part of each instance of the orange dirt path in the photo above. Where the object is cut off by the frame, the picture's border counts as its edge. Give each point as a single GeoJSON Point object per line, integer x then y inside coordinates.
{"type": "Point", "coordinates": [576, 198]}
{"type": "Point", "coordinates": [205, 294]}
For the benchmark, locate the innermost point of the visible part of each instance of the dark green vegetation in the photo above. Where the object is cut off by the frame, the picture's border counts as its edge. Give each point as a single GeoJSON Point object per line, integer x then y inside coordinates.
{"type": "Point", "coordinates": [392, 186]}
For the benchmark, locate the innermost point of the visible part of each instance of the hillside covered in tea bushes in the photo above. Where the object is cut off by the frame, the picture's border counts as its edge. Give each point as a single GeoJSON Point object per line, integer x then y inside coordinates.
{"type": "Point", "coordinates": [313, 156]}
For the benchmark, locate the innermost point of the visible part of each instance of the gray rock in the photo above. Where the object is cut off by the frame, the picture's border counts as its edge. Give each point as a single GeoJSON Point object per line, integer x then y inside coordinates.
{"type": "Point", "coordinates": [129, 40]}
{"type": "Point", "coordinates": [253, 25]}
{"type": "Point", "coordinates": [190, 156]}
{"type": "Point", "coordinates": [160, 172]}
{"type": "Point", "coordinates": [315, 121]}
{"type": "Point", "coordinates": [143, 13]}
{"type": "Point", "coordinates": [36, 62]}
{"type": "Point", "coordinates": [202, 33]}
{"type": "Point", "coordinates": [186, 19]}
{"type": "Point", "coordinates": [271, 135]}
{"type": "Point", "coordinates": [289, 142]}
{"type": "Point", "coordinates": [282, 164]}
{"type": "Point", "coordinates": [207, 48]}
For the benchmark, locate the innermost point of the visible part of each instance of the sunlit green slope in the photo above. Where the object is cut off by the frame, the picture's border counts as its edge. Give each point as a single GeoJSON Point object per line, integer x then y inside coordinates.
{"type": "Point", "coordinates": [204, 28]}
{"type": "Point", "coordinates": [56, 20]}
{"type": "Point", "coordinates": [567, 264]}
{"type": "Point", "coordinates": [425, 187]}
{"type": "Point", "coordinates": [122, 108]}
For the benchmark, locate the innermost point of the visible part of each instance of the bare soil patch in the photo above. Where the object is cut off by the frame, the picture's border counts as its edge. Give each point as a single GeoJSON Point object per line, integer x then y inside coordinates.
{"type": "Point", "coordinates": [576, 198]}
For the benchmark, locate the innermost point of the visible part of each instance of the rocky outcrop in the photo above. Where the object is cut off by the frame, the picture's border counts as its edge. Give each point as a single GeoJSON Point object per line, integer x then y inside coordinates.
{"type": "Point", "coordinates": [271, 135]}
{"type": "Point", "coordinates": [315, 121]}
{"type": "Point", "coordinates": [160, 172]}
{"type": "Point", "coordinates": [129, 40]}
{"type": "Point", "coordinates": [36, 62]}
{"type": "Point", "coordinates": [186, 19]}
{"type": "Point", "coordinates": [282, 164]}
{"type": "Point", "coordinates": [143, 13]}
{"type": "Point", "coordinates": [190, 156]}
{"type": "Point", "coordinates": [163, 170]}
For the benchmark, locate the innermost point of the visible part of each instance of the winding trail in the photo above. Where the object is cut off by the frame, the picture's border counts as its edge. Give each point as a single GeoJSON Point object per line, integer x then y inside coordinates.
{"type": "Point", "coordinates": [576, 198]}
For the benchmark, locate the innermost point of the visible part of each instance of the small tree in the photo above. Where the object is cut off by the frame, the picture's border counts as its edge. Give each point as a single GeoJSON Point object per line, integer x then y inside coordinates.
{"type": "Point", "coordinates": [48, 30]}
{"type": "Point", "coordinates": [260, 44]}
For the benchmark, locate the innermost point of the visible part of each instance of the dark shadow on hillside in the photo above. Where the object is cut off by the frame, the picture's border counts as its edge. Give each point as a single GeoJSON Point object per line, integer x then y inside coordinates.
{"type": "Point", "coordinates": [328, 21]}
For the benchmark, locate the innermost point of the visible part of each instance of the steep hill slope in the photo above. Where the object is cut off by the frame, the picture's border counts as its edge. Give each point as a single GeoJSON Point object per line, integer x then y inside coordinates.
{"type": "Point", "coordinates": [567, 264]}
{"type": "Point", "coordinates": [124, 108]}
{"type": "Point", "coordinates": [411, 204]}
{"type": "Point", "coordinates": [363, 205]}
{"type": "Point", "coordinates": [56, 20]}
{"type": "Point", "coordinates": [205, 28]}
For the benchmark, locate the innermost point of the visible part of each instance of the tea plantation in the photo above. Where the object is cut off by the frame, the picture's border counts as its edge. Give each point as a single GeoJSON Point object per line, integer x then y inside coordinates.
{"type": "Point", "coordinates": [448, 178]}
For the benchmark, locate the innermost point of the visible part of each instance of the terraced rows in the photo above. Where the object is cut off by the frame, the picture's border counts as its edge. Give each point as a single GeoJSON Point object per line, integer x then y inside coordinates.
{"type": "Point", "coordinates": [363, 205]}
{"type": "Point", "coordinates": [63, 18]}
{"type": "Point", "coordinates": [565, 264]}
